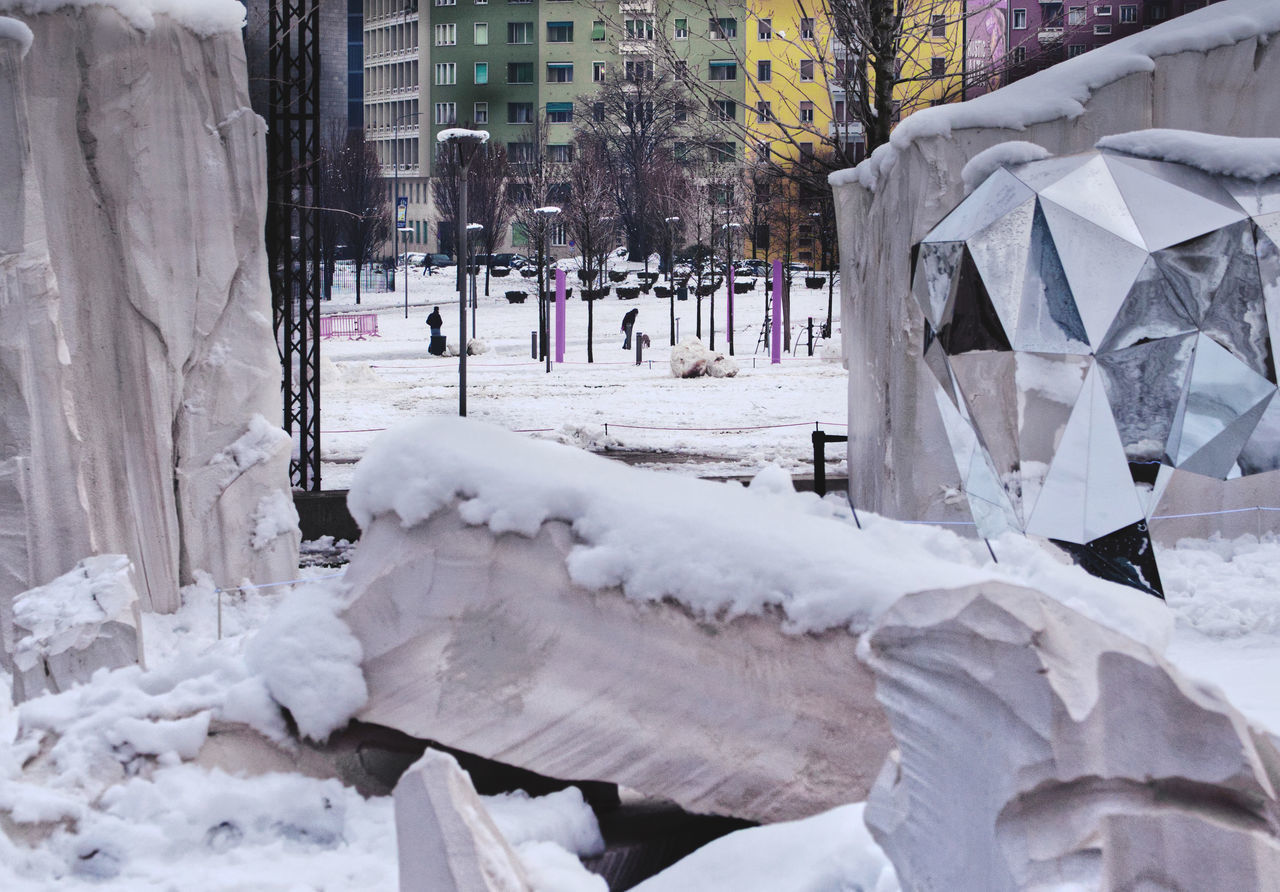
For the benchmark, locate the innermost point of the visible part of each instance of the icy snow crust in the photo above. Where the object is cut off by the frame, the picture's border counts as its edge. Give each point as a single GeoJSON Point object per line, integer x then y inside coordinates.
{"type": "Point", "coordinates": [203, 17]}
{"type": "Point", "coordinates": [1232, 156]}
{"type": "Point", "coordinates": [12, 29]}
{"type": "Point", "coordinates": [1006, 154]}
{"type": "Point", "coordinates": [719, 548]}
{"type": "Point", "coordinates": [1063, 90]}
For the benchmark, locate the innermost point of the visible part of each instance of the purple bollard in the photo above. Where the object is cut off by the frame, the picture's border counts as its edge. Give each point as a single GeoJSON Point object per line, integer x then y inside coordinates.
{"type": "Point", "coordinates": [776, 346]}
{"type": "Point", "coordinates": [560, 315]}
{"type": "Point", "coordinates": [729, 308]}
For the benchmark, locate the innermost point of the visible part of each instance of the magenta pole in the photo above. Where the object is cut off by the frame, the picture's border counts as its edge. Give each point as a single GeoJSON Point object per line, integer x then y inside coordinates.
{"type": "Point", "coordinates": [560, 315]}
{"type": "Point", "coordinates": [776, 346]}
{"type": "Point", "coordinates": [729, 309]}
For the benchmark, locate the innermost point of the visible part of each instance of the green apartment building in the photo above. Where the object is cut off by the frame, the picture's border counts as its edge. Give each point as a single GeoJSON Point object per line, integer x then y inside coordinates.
{"type": "Point", "coordinates": [497, 65]}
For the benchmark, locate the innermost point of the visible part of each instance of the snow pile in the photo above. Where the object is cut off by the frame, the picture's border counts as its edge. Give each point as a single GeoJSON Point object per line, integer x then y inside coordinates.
{"type": "Point", "coordinates": [1063, 90]}
{"type": "Point", "coordinates": [1005, 154]}
{"type": "Point", "coordinates": [12, 29]}
{"type": "Point", "coordinates": [563, 818]}
{"type": "Point", "coordinates": [69, 612]}
{"type": "Point", "coordinates": [310, 661]}
{"type": "Point", "coordinates": [719, 548]}
{"type": "Point", "coordinates": [1232, 156]}
{"type": "Point", "coordinates": [204, 17]}
{"type": "Point", "coordinates": [552, 869]}
{"type": "Point", "coordinates": [829, 851]}
{"type": "Point", "coordinates": [692, 359]}
{"type": "Point", "coordinates": [276, 516]}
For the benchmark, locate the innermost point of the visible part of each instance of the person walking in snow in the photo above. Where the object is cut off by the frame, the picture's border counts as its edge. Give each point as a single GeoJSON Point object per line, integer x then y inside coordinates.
{"type": "Point", "coordinates": [628, 323]}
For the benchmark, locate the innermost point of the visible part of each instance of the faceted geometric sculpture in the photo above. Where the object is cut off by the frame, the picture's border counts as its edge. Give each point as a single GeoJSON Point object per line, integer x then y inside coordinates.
{"type": "Point", "coordinates": [1094, 321]}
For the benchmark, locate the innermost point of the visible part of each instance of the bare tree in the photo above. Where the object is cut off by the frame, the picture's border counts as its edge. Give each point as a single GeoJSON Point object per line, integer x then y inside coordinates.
{"type": "Point", "coordinates": [487, 200]}
{"type": "Point", "coordinates": [589, 213]}
{"type": "Point", "coordinates": [361, 199]}
{"type": "Point", "coordinates": [536, 180]}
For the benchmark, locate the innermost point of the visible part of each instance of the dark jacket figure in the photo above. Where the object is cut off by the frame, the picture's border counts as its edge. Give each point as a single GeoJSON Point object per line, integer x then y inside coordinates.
{"type": "Point", "coordinates": [436, 348]}
{"type": "Point", "coordinates": [628, 323]}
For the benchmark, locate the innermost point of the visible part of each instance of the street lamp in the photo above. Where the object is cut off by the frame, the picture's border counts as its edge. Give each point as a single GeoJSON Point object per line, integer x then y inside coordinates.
{"type": "Point", "coordinates": [400, 227]}
{"type": "Point", "coordinates": [467, 142]}
{"type": "Point", "coordinates": [472, 228]}
{"type": "Point", "coordinates": [671, 273]}
{"type": "Point", "coordinates": [729, 230]}
{"type": "Point", "coordinates": [404, 264]}
{"type": "Point", "coordinates": [831, 278]}
{"type": "Point", "coordinates": [546, 215]}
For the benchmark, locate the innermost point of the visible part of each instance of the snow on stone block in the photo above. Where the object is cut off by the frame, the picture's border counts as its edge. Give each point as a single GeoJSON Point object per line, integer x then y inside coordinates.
{"type": "Point", "coordinates": [85, 620]}
{"type": "Point", "coordinates": [446, 839]}
{"type": "Point", "coordinates": [1038, 748]}
{"type": "Point", "coordinates": [692, 359]}
{"type": "Point", "coordinates": [829, 851]}
{"type": "Point", "coordinates": [12, 29]}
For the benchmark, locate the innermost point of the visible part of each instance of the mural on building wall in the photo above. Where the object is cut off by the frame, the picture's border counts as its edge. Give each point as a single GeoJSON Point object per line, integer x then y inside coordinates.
{"type": "Point", "coordinates": [986, 46]}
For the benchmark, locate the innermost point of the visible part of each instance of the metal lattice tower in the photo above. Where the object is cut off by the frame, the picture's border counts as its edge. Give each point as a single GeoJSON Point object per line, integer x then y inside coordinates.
{"type": "Point", "coordinates": [293, 236]}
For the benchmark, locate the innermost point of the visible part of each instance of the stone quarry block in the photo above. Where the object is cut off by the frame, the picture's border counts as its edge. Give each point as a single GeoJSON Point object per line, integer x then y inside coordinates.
{"type": "Point", "coordinates": [447, 841]}
{"type": "Point", "coordinates": [1037, 749]}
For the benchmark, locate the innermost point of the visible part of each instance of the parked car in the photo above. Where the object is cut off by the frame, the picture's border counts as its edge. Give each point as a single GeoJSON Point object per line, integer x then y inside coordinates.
{"type": "Point", "coordinates": [507, 259]}
{"type": "Point", "coordinates": [751, 268]}
{"type": "Point", "coordinates": [415, 258]}
{"type": "Point", "coordinates": [439, 260]}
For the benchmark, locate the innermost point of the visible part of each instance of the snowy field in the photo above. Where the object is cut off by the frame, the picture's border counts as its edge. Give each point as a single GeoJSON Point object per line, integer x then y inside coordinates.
{"type": "Point", "coordinates": [101, 782]}
{"type": "Point", "coordinates": [711, 426]}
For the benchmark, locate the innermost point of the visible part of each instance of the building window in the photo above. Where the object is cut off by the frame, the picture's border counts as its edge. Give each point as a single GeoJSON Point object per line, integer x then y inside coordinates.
{"type": "Point", "coordinates": [639, 29]}
{"type": "Point", "coordinates": [639, 112]}
{"type": "Point", "coordinates": [559, 112]}
{"type": "Point", "coordinates": [1102, 10]}
{"type": "Point", "coordinates": [806, 112]}
{"type": "Point", "coordinates": [763, 153]}
{"type": "Point", "coordinates": [724, 109]}
{"type": "Point", "coordinates": [559, 72]}
{"type": "Point", "coordinates": [1075, 15]}
{"type": "Point", "coordinates": [560, 153]}
{"type": "Point", "coordinates": [559, 32]}
{"type": "Point", "coordinates": [764, 71]}
{"type": "Point", "coordinates": [937, 26]}
{"type": "Point", "coordinates": [1075, 49]}
{"type": "Point", "coordinates": [597, 30]}
{"type": "Point", "coordinates": [480, 112]}
{"type": "Point", "coordinates": [519, 72]}
{"type": "Point", "coordinates": [481, 37]}
{"type": "Point", "coordinates": [520, 33]}
{"type": "Point", "coordinates": [519, 151]}
{"type": "Point", "coordinates": [806, 29]}
{"type": "Point", "coordinates": [722, 71]}
{"type": "Point", "coordinates": [558, 234]}
{"type": "Point", "coordinates": [446, 2]}
{"type": "Point", "coordinates": [937, 66]}
{"type": "Point", "coordinates": [1019, 19]}
{"type": "Point", "coordinates": [806, 150]}
{"type": "Point", "coordinates": [1159, 11]}
{"type": "Point", "coordinates": [446, 35]}
{"type": "Point", "coordinates": [682, 69]}
{"type": "Point", "coordinates": [1019, 55]}
{"type": "Point", "coordinates": [519, 112]}
{"type": "Point", "coordinates": [482, 72]}
{"type": "Point", "coordinates": [597, 112]}
{"type": "Point", "coordinates": [806, 69]}
{"type": "Point", "coordinates": [1101, 29]}
{"type": "Point", "coordinates": [681, 113]}
{"type": "Point", "coordinates": [721, 151]}
{"type": "Point", "coordinates": [597, 72]}
{"type": "Point", "coordinates": [682, 29]}
{"type": "Point", "coordinates": [1128, 15]}
{"type": "Point", "coordinates": [764, 29]}
{"type": "Point", "coordinates": [446, 113]}
{"type": "Point", "coordinates": [446, 74]}
{"type": "Point", "coordinates": [638, 70]}
{"type": "Point", "coordinates": [764, 112]}
{"type": "Point", "coordinates": [723, 29]}
{"type": "Point", "coordinates": [482, 2]}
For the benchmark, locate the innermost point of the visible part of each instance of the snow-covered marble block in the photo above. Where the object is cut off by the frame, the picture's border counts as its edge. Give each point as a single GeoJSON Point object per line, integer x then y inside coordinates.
{"type": "Point", "coordinates": [692, 359]}
{"type": "Point", "coordinates": [446, 839]}
{"type": "Point", "coordinates": [82, 621]}
{"type": "Point", "coordinates": [1038, 749]}
{"type": "Point", "coordinates": [1212, 71]}
{"type": "Point", "coordinates": [136, 343]}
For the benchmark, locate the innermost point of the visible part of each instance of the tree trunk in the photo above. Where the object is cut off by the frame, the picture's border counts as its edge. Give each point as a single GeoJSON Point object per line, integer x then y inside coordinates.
{"type": "Point", "coordinates": [591, 324]}
{"type": "Point", "coordinates": [359, 271]}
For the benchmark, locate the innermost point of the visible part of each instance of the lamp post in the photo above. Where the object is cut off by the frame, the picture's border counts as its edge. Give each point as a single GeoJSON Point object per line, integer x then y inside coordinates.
{"type": "Point", "coordinates": [671, 283]}
{"type": "Point", "coordinates": [395, 156]}
{"type": "Point", "coordinates": [404, 264]}
{"type": "Point", "coordinates": [545, 215]}
{"type": "Point", "coordinates": [472, 228]}
{"type": "Point", "coordinates": [467, 142]}
{"type": "Point", "coordinates": [729, 230]}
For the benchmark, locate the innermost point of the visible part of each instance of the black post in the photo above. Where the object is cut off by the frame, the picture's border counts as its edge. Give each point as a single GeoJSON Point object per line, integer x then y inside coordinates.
{"type": "Point", "coordinates": [639, 348]}
{"type": "Point", "coordinates": [819, 463]}
{"type": "Point", "coordinates": [810, 335]}
{"type": "Point", "coordinates": [533, 345]}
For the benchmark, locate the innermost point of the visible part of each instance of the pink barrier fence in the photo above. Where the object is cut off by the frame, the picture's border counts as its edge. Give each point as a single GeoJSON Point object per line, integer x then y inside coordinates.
{"type": "Point", "coordinates": [358, 327]}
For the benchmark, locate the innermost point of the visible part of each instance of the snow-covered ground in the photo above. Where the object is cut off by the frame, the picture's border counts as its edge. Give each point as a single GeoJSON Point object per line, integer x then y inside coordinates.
{"type": "Point", "coordinates": [95, 778]}
{"type": "Point", "coordinates": [712, 426]}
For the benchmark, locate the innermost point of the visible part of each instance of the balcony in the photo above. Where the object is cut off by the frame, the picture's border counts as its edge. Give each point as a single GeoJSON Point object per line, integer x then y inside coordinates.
{"type": "Point", "coordinates": [1049, 36]}
{"type": "Point", "coordinates": [646, 6]}
{"type": "Point", "coordinates": [849, 131]}
{"type": "Point", "coordinates": [635, 46]}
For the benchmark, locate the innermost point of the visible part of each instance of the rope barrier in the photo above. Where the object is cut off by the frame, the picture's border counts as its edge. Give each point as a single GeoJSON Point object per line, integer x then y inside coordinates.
{"type": "Point", "coordinates": [246, 588]}
{"type": "Point", "coordinates": [1219, 513]}
{"type": "Point", "coordinates": [638, 427]}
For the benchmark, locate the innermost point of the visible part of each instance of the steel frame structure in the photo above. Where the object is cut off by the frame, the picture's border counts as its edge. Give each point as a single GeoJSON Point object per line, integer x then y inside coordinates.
{"type": "Point", "coordinates": [293, 235]}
